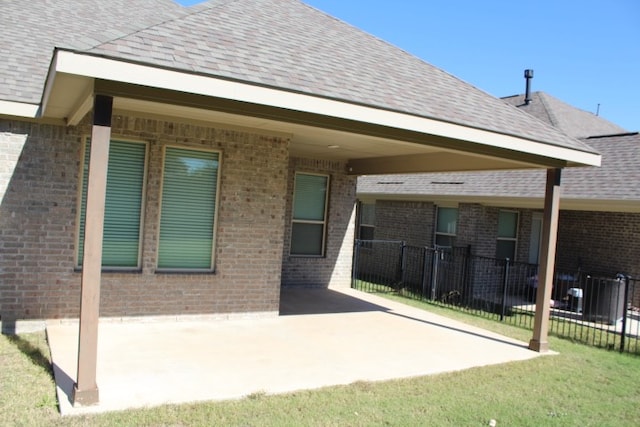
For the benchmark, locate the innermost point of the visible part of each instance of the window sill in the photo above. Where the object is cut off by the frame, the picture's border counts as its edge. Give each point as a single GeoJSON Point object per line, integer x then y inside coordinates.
{"type": "Point", "coordinates": [125, 270]}
{"type": "Point", "coordinates": [307, 256]}
{"type": "Point", "coordinates": [184, 271]}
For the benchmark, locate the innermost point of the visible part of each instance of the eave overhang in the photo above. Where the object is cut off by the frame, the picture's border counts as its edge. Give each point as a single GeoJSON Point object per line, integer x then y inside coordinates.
{"type": "Point", "coordinates": [19, 109]}
{"type": "Point", "coordinates": [371, 140]}
{"type": "Point", "coordinates": [507, 202]}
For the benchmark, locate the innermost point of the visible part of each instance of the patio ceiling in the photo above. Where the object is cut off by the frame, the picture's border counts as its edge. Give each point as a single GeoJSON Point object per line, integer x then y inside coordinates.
{"type": "Point", "coordinates": [370, 140]}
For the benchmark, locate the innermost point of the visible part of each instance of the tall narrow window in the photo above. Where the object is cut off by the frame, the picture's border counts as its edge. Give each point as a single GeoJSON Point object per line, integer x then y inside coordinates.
{"type": "Point", "coordinates": [367, 221]}
{"type": "Point", "coordinates": [309, 214]}
{"type": "Point", "coordinates": [446, 226]}
{"type": "Point", "coordinates": [536, 238]}
{"type": "Point", "coordinates": [187, 214]}
{"type": "Point", "coordinates": [123, 204]}
{"type": "Point", "coordinates": [507, 235]}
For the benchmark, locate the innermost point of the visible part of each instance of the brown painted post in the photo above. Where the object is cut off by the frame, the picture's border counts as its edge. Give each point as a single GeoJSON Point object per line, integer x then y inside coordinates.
{"type": "Point", "coordinates": [540, 342]}
{"type": "Point", "coordinates": [85, 391]}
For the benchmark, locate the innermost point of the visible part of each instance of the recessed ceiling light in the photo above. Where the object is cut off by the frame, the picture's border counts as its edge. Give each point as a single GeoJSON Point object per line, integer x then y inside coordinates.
{"type": "Point", "coordinates": [333, 147]}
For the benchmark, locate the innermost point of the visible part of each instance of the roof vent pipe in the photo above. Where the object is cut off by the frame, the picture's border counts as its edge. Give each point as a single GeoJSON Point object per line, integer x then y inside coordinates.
{"type": "Point", "coordinates": [528, 75]}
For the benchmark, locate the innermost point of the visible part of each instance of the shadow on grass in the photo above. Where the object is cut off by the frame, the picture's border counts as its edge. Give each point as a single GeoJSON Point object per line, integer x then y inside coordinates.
{"type": "Point", "coordinates": [34, 353]}
{"type": "Point", "coordinates": [463, 331]}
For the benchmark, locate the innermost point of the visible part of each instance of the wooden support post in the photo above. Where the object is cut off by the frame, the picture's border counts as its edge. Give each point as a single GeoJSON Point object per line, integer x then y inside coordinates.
{"type": "Point", "coordinates": [540, 342]}
{"type": "Point", "coordinates": [85, 391]}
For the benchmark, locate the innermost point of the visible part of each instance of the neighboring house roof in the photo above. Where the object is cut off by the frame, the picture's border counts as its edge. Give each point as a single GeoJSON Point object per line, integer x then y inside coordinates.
{"type": "Point", "coordinates": [265, 44]}
{"type": "Point", "coordinates": [611, 187]}
{"type": "Point", "coordinates": [569, 119]}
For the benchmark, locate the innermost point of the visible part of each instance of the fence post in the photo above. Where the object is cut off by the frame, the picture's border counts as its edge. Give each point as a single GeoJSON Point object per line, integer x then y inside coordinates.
{"type": "Point", "coordinates": [467, 284]}
{"type": "Point", "coordinates": [424, 272]}
{"type": "Point", "coordinates": [403, 261]}
{"type": "Point", "coordinates": [434, 273]}
{"type": "Point", "coordinates": [354, 264]}
{"type": "Point", "coordinates": [505, 282]}
{"type": "Point", "coordinates": [623, 333]}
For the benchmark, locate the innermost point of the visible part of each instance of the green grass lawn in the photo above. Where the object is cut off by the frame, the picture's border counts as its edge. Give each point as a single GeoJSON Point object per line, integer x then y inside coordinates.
{"type": "Point", "coordinates": [582, 386]}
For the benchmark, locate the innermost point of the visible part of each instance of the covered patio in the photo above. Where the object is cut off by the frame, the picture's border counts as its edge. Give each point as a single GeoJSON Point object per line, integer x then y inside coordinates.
{"type": "Point", "coordinates": [321, 338]}
{"type": "Point", "coordinates": [262, 98]}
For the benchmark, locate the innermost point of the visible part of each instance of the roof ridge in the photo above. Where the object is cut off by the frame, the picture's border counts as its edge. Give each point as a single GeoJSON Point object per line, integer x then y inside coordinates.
{"type": "Point", "coordinates": [547, 109]}
{"type": "Point", "coordinates": [193, 10]}
{"type": "Point", "coordinates": [344, 22]}
{"type": "Point", "coordinates": [613, 135]}
{"type": "Point", "coordinates": [410, 55]}
{"type": "Point", "coordinates": [560, 101]}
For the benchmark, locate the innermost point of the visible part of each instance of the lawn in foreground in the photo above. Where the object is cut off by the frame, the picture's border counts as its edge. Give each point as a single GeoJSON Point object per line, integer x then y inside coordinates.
{"type": "Point", "coordinates": [581, 386]}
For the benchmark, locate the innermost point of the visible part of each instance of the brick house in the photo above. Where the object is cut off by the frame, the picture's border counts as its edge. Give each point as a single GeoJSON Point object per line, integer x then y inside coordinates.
{"type": "Point", "coordinates": [160, 160]}
{"type": "Point", "coordinates": [499, 213]}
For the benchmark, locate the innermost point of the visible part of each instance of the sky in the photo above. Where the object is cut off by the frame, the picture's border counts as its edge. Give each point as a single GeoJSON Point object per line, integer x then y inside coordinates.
{"type": "Point", "coordinates": [583, 52]}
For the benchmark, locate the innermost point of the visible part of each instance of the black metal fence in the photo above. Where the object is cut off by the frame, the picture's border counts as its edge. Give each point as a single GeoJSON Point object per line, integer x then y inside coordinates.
{"type": "Point", "coordinates": [592, 309]}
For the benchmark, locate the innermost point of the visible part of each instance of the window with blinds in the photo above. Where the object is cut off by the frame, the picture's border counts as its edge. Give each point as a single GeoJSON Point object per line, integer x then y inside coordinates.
{"type": "Point", "coordinates": [188, 208]}
{"type": "Point", "coordinates": [309, 214]}
{"type": "Point", "coordinates": [123, 204]}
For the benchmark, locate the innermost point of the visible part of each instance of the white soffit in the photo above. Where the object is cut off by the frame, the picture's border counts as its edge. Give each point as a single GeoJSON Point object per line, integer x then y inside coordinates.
{"type": "Point", "coordinates": [306, 139]}
{"type": "Point", "coordinates": [113, 70]}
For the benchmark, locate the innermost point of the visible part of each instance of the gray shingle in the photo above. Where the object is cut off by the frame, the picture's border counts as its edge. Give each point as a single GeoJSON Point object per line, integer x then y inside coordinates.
{"type": "Point", "coordinates": [31, 29]}
{"type": "Point", "coordinates": [302, 49]}
{"type": "Point", "coordinates": [569, 119]}
{"type": "Point", "coordinates": [283, 43]}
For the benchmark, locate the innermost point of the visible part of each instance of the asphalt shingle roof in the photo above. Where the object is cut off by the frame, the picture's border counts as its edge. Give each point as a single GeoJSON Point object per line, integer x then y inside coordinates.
{"type": "Point", "coordinates": [290, 45]}
{"type": "Point", "coordinates": [616, 179]}
{"type": "Point", "coordinates": [569, 119]}
{"type": "Point", "coordinates": [30, 29]}
{"type": "Point", "coordinates": [280, 43]}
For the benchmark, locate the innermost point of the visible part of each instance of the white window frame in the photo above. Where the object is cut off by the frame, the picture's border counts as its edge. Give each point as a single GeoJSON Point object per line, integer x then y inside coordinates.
{"type": "Point", "coordinates": [318, 222]}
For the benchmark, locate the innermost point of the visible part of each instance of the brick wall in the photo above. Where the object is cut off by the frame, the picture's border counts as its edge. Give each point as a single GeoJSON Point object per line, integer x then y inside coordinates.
{"type": "Point", "coordinates": [401, 220]}
{"type": "Point", "coordinates": [38, 225]}
{"type": "Point", "coordinates": [474, 230]}
{"type": "Point", "coordinates": [334, 269]}
{"type": "Point", "coordinates": [477, 226]}
{"type": "Point", "coordinates": [599, 242]}
{"type": "Point", "coordinates": [602, 243]}
{"type": "Point", "coordinates": [10, 149]}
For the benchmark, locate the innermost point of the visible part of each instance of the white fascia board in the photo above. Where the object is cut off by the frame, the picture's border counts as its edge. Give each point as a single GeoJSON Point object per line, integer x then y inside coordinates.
{"type": "Point", "coordinates": [515, 202]}
{"type": "Point", "coordinates": [48, 84]}
{"type": "Point", "coordinates": [18, 109]}
{"type": "Point", "coordinates": [145, 75]}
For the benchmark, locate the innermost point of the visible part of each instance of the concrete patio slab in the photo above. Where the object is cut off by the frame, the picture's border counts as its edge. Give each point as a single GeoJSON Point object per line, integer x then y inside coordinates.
{"type": "Point", "coordinates": [321, 338]}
